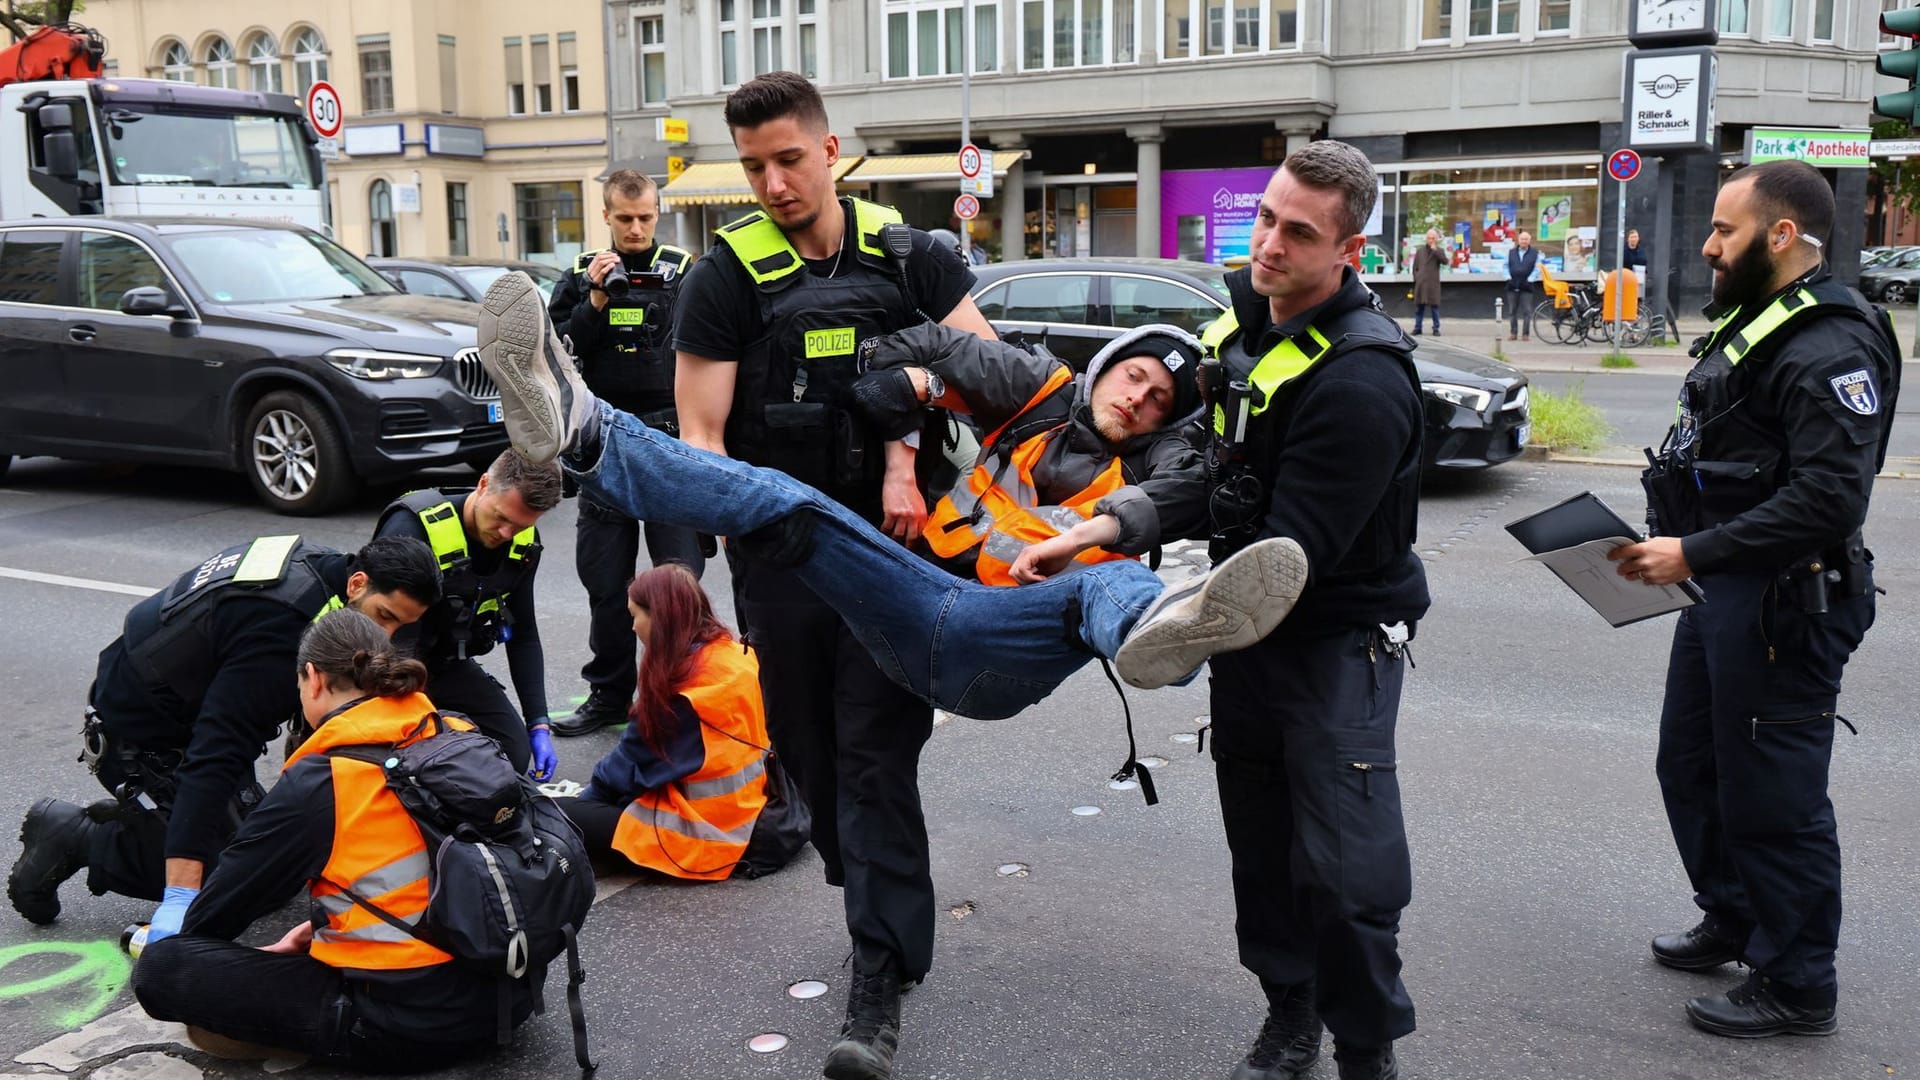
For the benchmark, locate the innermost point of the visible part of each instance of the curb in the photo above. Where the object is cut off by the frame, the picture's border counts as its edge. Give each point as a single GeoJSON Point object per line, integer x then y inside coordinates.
{"type": "Point", "coordinates": [1542, 453]}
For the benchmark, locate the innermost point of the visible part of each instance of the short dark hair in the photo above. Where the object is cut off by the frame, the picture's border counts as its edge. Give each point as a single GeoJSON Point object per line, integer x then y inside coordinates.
{"type": "Point", "coordinates": [774, 96]}
{"type": "Point", "coordinates": [350, 651]}
{"type": "Point", "coordinates": [1793, 190]}
{"type": "Point", "coordinates": [1328, 163]}
{"type": "Point", "coordinates": [628, 184]}
{"type": "Point", "coordinates": [400, 564]}
{"type": "Point", "coordinates": [539, 485]}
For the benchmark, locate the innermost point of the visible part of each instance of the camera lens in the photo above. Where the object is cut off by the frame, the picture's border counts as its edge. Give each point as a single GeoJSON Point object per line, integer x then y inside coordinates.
{"type": "Point", "coordinates": [617, 282]}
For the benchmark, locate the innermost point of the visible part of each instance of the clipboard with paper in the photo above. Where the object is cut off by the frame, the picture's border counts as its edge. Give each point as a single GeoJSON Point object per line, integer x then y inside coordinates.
{"type": "Point", "coordinates": [1572, 538]}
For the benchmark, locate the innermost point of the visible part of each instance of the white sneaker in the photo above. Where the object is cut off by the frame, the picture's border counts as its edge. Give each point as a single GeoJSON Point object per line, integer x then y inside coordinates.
{"type": "Point", "coordinates": [542, 399]}
{"type": "Point", "coordinates": [1236, 604]}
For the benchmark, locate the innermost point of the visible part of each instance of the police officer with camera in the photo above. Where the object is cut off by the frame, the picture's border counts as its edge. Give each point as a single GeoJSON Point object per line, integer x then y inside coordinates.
{"type": "Point", "coordinates": [1759, 494]}
{"type": "Point", "coordinates": [616, 307]}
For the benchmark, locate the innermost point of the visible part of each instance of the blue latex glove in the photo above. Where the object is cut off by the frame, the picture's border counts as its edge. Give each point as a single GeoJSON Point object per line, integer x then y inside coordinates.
{"type": "Point", "coordinates": [171, 913]}
{"type": "Point", "coordinates": [544, 759]}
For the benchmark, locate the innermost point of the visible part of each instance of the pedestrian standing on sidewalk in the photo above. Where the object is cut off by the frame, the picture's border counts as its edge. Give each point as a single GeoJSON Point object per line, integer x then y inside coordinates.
{"type": "Point", "coordinates": [1523, 262]}
{"type": "Point", "coordinates": [1426, 281]}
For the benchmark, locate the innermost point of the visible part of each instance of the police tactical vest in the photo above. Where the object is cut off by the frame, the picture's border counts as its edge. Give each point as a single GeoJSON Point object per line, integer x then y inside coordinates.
{"type": "Point", "coordinates": [178, 655]}
{"type": "Point", "coordinates": [639, 326]}
{"type": "Point", "coordinates": [792, 407]}
{"type": "Point", "coordinates": [472, 611]}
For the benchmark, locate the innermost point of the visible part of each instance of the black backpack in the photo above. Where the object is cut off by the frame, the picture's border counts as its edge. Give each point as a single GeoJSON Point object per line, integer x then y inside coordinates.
{"type": "Point", "coordinates": [509, 880]}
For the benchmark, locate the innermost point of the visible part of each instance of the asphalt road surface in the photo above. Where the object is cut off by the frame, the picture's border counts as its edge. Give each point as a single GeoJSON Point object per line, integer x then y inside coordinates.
{"type": "Point", "coordinates": [1541, 855]}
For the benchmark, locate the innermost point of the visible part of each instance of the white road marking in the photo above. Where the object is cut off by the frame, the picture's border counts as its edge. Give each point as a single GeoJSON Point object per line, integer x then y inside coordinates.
{"type": "Point", "coordinates": [75, 582]}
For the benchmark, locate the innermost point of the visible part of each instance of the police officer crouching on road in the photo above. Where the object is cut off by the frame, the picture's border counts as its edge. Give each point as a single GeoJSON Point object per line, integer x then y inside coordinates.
{"type": "Point", "coordinates": [488, 551]}
{"type": "Point", "coordinates": [1759, 494]}
{"type": "Point", "coordinates": [616, 309]}
{"type": "Point", "coordinates": [183, 702]}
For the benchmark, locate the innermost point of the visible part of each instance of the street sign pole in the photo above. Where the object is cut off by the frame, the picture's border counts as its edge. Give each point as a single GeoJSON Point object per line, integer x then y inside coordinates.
{"type": "Point", "coordinates": [966, 109]}
{"type": "Point", "coordinates": [1620, 265]}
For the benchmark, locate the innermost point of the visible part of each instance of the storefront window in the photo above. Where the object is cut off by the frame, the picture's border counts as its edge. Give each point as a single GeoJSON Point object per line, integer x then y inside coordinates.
{"type": "Point", "coordinates": [551, 228]}
{"type": "Point", "coordinates": [1479, 211]}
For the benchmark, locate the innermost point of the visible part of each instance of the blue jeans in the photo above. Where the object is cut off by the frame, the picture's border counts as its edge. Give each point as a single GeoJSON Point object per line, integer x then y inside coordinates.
{"type": "Point", "coordinates": [968, 648]}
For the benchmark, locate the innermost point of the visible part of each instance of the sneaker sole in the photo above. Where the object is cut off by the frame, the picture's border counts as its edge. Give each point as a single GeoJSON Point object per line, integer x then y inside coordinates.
{"type": "Point", "coordinates": [40, 914]}
{"type": "Point", "coordinates": [513, 323]}
{"type": "Point", "coordinates": [1810, 1028]}
{"type": "Point", "coordinates": [1242, 601]}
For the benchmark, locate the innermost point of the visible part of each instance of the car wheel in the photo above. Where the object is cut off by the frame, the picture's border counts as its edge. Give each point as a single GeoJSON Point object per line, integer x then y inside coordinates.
{"type": "Point", "coordinates": [293, 455]}
{"type": "Point", "coordinates": [1896, 292]}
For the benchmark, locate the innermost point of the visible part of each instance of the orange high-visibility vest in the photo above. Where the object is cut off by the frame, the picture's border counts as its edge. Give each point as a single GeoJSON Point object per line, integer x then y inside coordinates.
{"type": "Point", "coordinates": [377, 849]}
{"type": "Point", "coordinates": [998, 508]}
{"type": "Point", "coordinates": [697, 827]}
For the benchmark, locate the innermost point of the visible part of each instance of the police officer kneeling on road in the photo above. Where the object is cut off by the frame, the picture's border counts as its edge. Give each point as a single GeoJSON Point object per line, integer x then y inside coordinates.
{"type": "Point", "coordinates": [1759, 494]}
{"type": "Point", "coordinates": [488, 551]}
{"type": "Point", "coordinates": [616, 309]}
{"type": "Point", "coordinates": [181, 705]}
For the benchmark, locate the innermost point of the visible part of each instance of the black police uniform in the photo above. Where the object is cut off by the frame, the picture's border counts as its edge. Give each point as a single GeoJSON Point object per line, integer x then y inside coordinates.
{"type": "Point", "coordinates": [487, 598]}
{"type": "Point", "coordinates": [848, 733]}
{"type": "Point", "coordinates": [626, 357]}
{"type": "Point", "coordinates": [1303, 722]}
{"type": "Point", "coordinates": [1765, 477]}
{"type": "Point", "coordinates": [187, 697]}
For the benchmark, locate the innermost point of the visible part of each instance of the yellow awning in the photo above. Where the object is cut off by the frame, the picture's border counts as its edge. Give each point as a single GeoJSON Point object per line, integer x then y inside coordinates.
{"type": "Point", "coordinates": [909, 167]}
{"type": "Point", "coordinates": [724, 183]}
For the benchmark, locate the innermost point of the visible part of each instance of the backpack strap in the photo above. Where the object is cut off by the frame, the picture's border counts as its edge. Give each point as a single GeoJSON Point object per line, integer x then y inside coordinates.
{"type": "Point", "coordinates": [576, 974]}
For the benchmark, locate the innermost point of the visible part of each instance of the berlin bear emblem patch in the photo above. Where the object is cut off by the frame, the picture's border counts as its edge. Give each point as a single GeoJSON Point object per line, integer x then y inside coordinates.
{"type": "Point", "coordinates": [1855, 391]}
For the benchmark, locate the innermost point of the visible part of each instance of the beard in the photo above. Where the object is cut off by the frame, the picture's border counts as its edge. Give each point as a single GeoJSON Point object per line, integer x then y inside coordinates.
{"type": "Point", "coordinates": [1744, 278]}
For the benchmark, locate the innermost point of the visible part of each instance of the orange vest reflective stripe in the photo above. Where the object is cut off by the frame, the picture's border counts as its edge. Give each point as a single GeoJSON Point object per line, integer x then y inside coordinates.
{"type": "Point", "coordinates": [697, 827]}
{"type": "Point", "coordinates": [999, 509]}
{"type": "Point", "coordinates": [377, 850]}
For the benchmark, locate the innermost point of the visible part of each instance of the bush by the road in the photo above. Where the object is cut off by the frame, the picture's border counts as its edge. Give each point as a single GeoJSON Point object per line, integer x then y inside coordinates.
{"type": "Point", "coordinates": [1566, 421]}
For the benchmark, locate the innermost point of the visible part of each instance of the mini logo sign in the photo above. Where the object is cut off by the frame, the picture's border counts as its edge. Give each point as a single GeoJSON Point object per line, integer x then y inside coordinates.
{"type": "Point", "coordinates": [1855, 391]}
{"type": "Point", "coordinates": [1666, 85]}
{"type": "Point", "coordinates": [835, 341]}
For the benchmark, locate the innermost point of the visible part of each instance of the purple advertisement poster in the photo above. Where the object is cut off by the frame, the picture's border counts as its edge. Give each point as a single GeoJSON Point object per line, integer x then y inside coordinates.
{"type": "Point", "coordinates": [1207, 214]}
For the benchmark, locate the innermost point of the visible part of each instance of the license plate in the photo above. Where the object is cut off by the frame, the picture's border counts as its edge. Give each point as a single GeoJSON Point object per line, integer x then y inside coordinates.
{"type": "Point", "coordinates": [1521, 434]}
{"type": "Point", "coordinates": [493, 415]}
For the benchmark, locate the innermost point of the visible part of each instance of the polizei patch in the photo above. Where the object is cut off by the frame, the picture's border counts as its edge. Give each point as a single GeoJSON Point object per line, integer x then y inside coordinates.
{"type": "Point", "coordinates": [1855, 391]}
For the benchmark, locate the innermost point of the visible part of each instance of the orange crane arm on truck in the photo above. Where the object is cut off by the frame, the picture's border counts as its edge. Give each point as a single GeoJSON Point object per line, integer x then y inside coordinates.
{"type": "Point", "coordinates": [69, 51]}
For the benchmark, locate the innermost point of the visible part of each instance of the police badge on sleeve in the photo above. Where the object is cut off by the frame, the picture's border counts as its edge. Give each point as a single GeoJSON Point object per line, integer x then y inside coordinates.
{"type": "Point", "coordinates": [1855, 391]}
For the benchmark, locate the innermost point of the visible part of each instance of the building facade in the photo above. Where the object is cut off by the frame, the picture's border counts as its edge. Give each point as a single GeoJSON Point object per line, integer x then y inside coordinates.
{"type": "Point", "coordinates": [1147, 127]}
{"type": "Point", "coordinates": [473, 127]}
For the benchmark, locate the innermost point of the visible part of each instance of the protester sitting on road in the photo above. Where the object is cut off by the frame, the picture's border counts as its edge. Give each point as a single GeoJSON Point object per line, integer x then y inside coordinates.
{"type": "Point", "coordinates": [344, 986]}
{"type": "Point", "coordinates": [684, 790]}
{"type": "Point", "coordinates": [1074, 470]}
{"type": "Point", "coordinates": [968, 648]}
{"type": "Point", "coordinates": [181, 705]}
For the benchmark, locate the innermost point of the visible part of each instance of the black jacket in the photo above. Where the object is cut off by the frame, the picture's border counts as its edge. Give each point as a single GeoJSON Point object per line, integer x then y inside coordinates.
{"type": "Point", "coordinates": [628, 367]}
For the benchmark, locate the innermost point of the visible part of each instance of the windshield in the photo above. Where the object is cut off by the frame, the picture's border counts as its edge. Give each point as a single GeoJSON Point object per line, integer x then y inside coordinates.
{"type": "Point", "coordinates": [206, 149]}
{"type": "Point", "coordinates": [263, 266]}
{"type": "Point", "coordinates": [544, 278]}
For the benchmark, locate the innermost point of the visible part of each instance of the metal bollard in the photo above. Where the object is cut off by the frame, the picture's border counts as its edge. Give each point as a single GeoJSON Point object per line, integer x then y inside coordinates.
{"type": "Point", "coordinates": [1499, 306]}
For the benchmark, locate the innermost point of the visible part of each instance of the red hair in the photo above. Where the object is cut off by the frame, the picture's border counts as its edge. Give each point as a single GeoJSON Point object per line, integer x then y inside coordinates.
{"type": "Point", "coordinates": [682, 623]}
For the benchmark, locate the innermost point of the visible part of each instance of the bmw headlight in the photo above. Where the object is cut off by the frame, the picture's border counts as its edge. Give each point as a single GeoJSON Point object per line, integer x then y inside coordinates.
{"type": "Point", "coordinates": [377, 366]}
{"type": "Point", "coordinates": [1467, 397]}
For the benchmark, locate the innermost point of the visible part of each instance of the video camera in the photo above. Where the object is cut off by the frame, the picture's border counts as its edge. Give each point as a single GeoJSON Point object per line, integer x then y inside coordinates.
{"type": "Point", "coordinates": [619, 282]}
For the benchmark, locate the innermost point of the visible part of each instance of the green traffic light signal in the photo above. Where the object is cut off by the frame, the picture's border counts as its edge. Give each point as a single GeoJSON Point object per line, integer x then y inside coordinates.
{"type": "Point", "coordinates": [1904, 64]}
{"type": "Point", "coordinates": [1903, 23]}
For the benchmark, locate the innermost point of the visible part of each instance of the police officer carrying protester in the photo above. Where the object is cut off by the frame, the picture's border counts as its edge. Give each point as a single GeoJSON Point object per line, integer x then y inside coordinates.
{"type": "Point", "coordinates": [1318, 439]}
{"type": "Point", "coordinates": [488, 551]}
{"type": "Point", "coordinates": [1759, 494]}
{"type": "Point", "coordinates": [766, 328]}
{"type": "Point", "coordinates": [182, 703]}
{"type": "Point", "coordinates": [620, 324]}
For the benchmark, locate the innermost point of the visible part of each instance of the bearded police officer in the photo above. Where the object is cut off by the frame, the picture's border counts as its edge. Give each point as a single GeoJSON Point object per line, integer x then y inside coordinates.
{"type": "Point", "coordinates": [182, 704]}
{"type": "Point", "coordinates": [1759, 494]}
{"type": "Point", "coordinates": [767, 328]}
{"type": "Point", "coordinates": [616, 309]}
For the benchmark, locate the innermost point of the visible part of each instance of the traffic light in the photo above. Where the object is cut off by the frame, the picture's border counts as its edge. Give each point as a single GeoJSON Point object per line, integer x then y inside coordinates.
{"type": "Point", "coordinates": [1901, 64]}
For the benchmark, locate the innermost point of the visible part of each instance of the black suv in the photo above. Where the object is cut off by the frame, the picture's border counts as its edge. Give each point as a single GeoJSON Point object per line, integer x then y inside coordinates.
{"type": "Point", "coordinates": [248, 345]}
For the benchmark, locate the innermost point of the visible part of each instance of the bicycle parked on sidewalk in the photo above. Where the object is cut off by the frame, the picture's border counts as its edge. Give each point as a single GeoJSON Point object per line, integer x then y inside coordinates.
{"type": "Point", "coordinates": [1584, 320]}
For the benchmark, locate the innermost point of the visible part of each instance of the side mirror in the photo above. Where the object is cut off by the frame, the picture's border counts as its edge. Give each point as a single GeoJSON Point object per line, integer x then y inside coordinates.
{"type": "Point", "coordinates": [61, 151]}
{"type": "Point", "coordinates": [151, 300]}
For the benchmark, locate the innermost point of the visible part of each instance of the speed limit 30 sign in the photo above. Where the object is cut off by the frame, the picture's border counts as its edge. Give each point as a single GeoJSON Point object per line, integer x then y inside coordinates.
{"type": "Point", "coordinates": [323, 110]}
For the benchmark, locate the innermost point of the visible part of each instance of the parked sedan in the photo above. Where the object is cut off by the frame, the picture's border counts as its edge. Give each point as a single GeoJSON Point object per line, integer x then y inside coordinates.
{"type": "Point", "coordinates": [255, 346]}
{"type": "Point", "coordinates": [1893, 280]}
{"type": "Point", "coordinates": [460, 277]}
{"type": "Point", "coordinates": [1476, 407]}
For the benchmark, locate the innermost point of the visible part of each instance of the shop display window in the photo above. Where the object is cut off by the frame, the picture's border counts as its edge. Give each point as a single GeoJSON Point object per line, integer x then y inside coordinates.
{"type": "Point", "coordinates": [1480, 210]}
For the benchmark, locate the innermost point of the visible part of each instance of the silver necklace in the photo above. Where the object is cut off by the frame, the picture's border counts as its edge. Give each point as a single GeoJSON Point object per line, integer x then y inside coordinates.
{"type": "Point", "coordinates": [835, 272]}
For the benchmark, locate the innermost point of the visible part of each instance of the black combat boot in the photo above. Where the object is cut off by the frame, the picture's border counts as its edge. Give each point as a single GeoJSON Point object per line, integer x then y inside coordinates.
{"type": "Point", "coordinates": [872, 1032]}
{"type": "Point", "coordinates": [1759, 1008]}
{"type": "Point", "coordinates": [1702, 948]}
{"type": "Point", "coordinates": [1289, 1040]}
{"type": "Point", "coordinates": [1365, 1062]}
{"type": "Point", "coordinates": [603, 708]}
{"type": "Point", "coordinates": [54, 840]}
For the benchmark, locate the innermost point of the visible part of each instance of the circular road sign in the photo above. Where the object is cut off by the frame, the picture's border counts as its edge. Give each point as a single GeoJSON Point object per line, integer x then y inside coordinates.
{"type": "Point", "coordinates": [966, 207]}
{"type": "Point", "coordinates": [1624, 165]}
{"type": "Point", "coordinates": [323, 110]}
{"type": "Point", "coordinates": [969, 161]}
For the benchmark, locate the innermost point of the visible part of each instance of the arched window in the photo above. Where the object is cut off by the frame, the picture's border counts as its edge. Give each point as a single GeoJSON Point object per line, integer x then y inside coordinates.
{"type": "Point", "coordinates": [177, 63]}
{"type": "Point", "coordinates": [380, 220]}
{"type": "Point", "coordinates": [263, 65]}
{"type": "Point", "coordinates": [309, 60]}
{"type": "Point", "coordinates": [220, 67]}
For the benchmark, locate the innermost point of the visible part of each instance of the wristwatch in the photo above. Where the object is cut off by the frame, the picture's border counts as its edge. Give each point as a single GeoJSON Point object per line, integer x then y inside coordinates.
{"type": "Point", "coordinates": [936, 387]}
